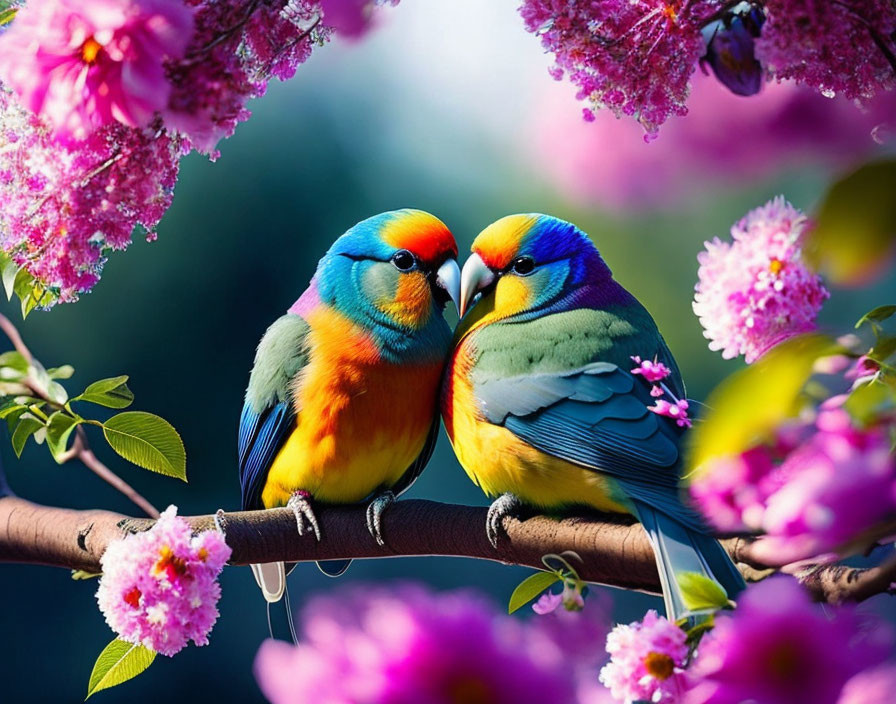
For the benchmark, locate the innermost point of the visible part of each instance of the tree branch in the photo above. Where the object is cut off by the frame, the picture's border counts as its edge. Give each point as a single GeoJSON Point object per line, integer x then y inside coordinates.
{"type": "Point", "coordinates": [613, 553]}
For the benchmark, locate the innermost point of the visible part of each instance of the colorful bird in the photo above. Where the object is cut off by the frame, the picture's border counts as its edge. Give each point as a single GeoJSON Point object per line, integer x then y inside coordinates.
{"type": "Point", "coordinates": [342, 403]}
{"type": "Point", "coordinates": [542, 407]}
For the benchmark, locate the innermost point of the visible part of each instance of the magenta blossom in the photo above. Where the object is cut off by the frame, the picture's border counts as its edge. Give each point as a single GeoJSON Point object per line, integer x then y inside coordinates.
{"type": "Point", "coordinates": [779, 648]}
{"type": "Point", "coordinates": [406, 645]}
{"type": "Point", "coordinates": [652, 371]}
{"type": "Point", "coordinates": [839, 483]}
{"type": "Point", "coordinates": [647, 661]}
{"type": "Point", "coordinates": [835, 47]}
{"type": "Point", "coordinates": [677, 410]}
{"type": "Point", "coordinates": [633, 57]}
{"type": "Point", "coordinates": [65, 207]}
{"type": "Point", "coordinates": [160, 588]}
{"type": "Point", "coordinates": [83, 65]}
{"type": "Point", "coordinates": [756, 291]}
{"type": "Point", "coordinates": [874, 686]}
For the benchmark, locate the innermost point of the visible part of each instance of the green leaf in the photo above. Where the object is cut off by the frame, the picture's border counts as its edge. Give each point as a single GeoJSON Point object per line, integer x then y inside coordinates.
{"type": "Point", "coordinates": [855, 227]}
{"type": "Point", "coordinates": [747, 406]}
{"type": "Point", "coordinates": [8, 272]}
{"type": "Point", "coordinates": [14, 360]}
{"type": "Point", "coordinates": [878, 315]}
{"type": "Point", "coordinates": [148, 441]}
{"type": "Point", "coordinates": [530, 588]}
{"type": "Point", "coordinates": [7, 16]}
{"type": "Point", "coordinates": [63, 372]}
{"type": "Point", "coordinates": [10, 408]}
{"type": "Point", "coordinates": [700, 593]}
{"type": "Point", "coordinates": [111, 393]}
{"type": "Point", "coordinates": [869, 401]}
{"type": "Point", "coordinates": [118, 663]}
{"type": "Point", "coordinates": [13, 416]}
{"type": "Point", "coordinates": [27, 426]}
{"type": "Point", "coordinates": [80, 575]}
{"type": "Point", "coordinates": [59, 429]}
{"type": "Point", "coordinates": [883, 348]}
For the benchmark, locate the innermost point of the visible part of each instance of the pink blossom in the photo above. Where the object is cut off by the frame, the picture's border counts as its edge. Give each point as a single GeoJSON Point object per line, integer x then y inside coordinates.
{"type": "Point", "coordinates": [724, 142]}
{"type": "Point", "coordinates": [547, 603]}
{"type": "Point", "coordinates": [838, 484]}
{"type": "Point", "coordinates": [83, 65]}
{"type": "Point", "coordinates": [407, 645]}
{"type": "Point", "coordinates": [633, 57]}
{"type": "Point", "coordinates": [160, 588]}
{"type": "Point", "coordinates": [651, 371]}
{"type": "Point", "coordinates": [779, 648]}
{"type": "Point", "coordinates": [677, 410]}
{"type": "Point", "coordinates": [756, 291]}
{"type": "Point", "coordinates": [821, 486]}
{"type": "Point", "coordinates": [65, 207]}
{"type": "Point", "coordinates": [873, 686]}
{"type": "Point", "coordinates": [831, 46]}
{"type": "Point", "coordinates": [647, 661]}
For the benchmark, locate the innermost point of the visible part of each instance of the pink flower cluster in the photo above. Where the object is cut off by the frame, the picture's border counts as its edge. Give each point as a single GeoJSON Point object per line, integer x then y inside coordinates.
{"type": "Point", "coordinates": [633, 57]}
{"type": "Point", "coordinates": [647, 661]}
{"type": "Point", "coordinates": [834, 47]}
{"type": "Point", "coordinates": [654, 372]}
{"type": "Point", "coordinates": [636, 57]}
{"type": "Point", "coordinates": [757, 291]}
{"type": "Point", "coordinates": [65, 206]}
{"type": "Point", "coordinates": [100, 98]}
{"type": "Point", "coordinates": [818, 487]}
{"type": "Point", "coordinates": [779, 648]}
{"type": "Point", "coordinates": [160, 588]}
{"type": "Point", "coordinates": [406, 645]}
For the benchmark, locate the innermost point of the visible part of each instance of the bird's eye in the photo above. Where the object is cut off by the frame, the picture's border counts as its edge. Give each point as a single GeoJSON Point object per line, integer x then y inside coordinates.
{"type": "Point", "coordinates": [522, 265]}
{"type": "Point", "coordinates": [404, 260]}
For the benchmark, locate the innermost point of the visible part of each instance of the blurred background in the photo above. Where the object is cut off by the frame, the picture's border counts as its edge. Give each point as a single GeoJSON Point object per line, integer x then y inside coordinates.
{"type": "Point", "coordinates": [445, 106]}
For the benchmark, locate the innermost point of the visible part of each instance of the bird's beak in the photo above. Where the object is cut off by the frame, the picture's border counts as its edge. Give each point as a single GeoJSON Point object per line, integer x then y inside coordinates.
{"type": "Point", "coordinates": [448, 278]}
{"type": "Point", "coordinates": [476, 276]}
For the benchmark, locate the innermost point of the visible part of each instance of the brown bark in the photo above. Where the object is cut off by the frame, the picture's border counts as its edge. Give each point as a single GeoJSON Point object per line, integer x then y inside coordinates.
{"type": "Point", "coordinates": [613, 553]}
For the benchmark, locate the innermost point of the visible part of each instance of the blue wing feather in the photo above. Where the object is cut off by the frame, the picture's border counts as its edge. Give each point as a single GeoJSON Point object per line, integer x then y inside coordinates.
{"type": "Point", "coordinates": [260, 437]}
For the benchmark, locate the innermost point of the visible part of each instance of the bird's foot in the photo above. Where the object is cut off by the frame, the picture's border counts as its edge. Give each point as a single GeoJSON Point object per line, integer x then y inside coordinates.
{"type": "Point", "coordinates": [375, 509]}
{"type": "Point", "coordinates": [300, 503]}
{"type": "Point", "coordinates": [505, 505]}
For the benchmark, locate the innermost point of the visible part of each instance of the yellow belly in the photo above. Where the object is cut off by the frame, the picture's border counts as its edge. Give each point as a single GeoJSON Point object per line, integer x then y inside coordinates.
{"type": "Point", "coordinates": [498, 461]}
{"type": "Point", "coordinates": [360, 423]}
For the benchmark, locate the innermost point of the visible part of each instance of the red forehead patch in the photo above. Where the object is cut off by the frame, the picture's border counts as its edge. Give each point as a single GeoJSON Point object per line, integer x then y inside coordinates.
{"type": "Point", "coordinates": [422, 234]}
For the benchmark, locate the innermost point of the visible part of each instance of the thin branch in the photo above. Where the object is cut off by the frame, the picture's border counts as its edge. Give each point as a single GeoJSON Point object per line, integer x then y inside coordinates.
{"type": "Point", "coordinates": [613, 553]}
{"type": "Point", "coordinates": [80, 448]}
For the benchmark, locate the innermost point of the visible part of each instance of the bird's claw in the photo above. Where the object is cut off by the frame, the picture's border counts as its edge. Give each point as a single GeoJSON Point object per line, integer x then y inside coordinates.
{"type": "Point", "coordinates": [300, 503]}
{"type": "Point", "coordinates": [502, 507]}
{"type": "Point", "coordinates": [375, 510]}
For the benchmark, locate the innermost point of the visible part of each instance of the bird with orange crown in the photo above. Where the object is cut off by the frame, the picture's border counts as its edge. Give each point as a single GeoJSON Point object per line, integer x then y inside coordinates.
{"type": "Point", "coordinates": [342, 402]}
{"type": "Point", "coordinates": [546, 401]}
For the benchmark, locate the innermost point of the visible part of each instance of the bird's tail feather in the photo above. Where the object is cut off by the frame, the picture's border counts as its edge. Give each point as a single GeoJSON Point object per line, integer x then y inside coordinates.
{"type": "Point", "coordinates": [680, 549]}
{"type": "Point", "coordinates": [271, 579]}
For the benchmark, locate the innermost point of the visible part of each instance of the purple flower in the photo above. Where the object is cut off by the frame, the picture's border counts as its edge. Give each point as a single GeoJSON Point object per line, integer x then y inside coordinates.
{"type": "Point", "coordinates": [83, 65]}
{"type": "Point", "coordinates": [66, 206]}
{"type": "Point", "coordinates": [647, 661]}
{"type": "Point", "coordinates": [756, 291]}
{"type": "Point", "coordinates": [873, 686]}
{"type": "Point", "coordinates": [730, 51]}
{"type": "Point", "coordinates": [633, 57]}
{"type": "Point", "coordinates": [837, 484]}
{"type": "Point", "coordinates": [160, 588]}
{"type": "Point", "coordinates": [779, 648]}
{"type": "Point", "coordinates": [547, 603]}
{"type": "Point", "coordinates": [406, 645]}
{"type": "Point", "coordinates": [834, 47]}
